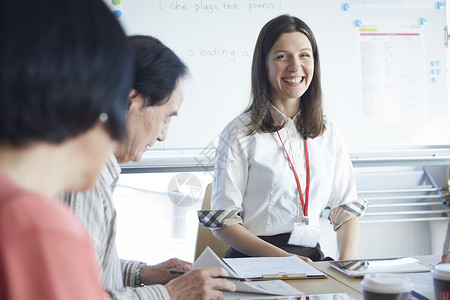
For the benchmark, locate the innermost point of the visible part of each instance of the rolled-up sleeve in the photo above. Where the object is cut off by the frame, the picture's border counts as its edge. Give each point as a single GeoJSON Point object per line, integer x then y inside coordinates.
{"type": "Point", "coordinates": [340, 215]}
{"type": "Point", "coordinates": [216, 219]}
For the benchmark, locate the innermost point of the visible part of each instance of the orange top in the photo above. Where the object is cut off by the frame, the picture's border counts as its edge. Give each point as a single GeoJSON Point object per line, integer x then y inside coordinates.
{"type": "Point", "coordinates": [45, 253]}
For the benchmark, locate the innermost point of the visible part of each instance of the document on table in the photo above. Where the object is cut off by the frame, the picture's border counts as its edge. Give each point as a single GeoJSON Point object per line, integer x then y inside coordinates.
{"type": "Point", "coordinates": [357, 268]}
{"type": "Point", "coordinates": [249, 296]}
{"type": "Point", "coordinates": [273, 287]}
{"type": "Point", "coordinates": [289, 267]}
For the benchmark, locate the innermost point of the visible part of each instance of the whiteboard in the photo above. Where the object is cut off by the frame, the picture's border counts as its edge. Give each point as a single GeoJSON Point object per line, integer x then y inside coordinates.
{"type": "Point", "coordinates": [383, 64]}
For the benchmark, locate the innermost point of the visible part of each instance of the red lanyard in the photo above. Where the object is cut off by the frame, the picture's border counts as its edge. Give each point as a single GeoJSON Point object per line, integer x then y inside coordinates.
{"type": "Point", "coordinates": [304, 202]}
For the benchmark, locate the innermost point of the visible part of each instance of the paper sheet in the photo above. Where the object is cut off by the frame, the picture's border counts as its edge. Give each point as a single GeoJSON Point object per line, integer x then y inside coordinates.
{"type": "Point", "coordinates": [257, 267]}
{"type": "Point", "coordinates": [248, 296]}
{"type": "Point", "coordinates": [392, 72]}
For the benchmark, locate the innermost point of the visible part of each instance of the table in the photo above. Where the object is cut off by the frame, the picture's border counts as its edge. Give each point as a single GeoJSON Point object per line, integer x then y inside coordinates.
{"type": "Point", "coordinates": [324, 286]}
{"type": "Point", "coordinates": [336, 282]}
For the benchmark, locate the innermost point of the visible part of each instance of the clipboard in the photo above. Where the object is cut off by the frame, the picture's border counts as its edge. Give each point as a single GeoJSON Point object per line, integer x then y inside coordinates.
{"type": "Point", "coordinates": [269, 268]}
{"type": "Point", "coordinates": [357, 268]}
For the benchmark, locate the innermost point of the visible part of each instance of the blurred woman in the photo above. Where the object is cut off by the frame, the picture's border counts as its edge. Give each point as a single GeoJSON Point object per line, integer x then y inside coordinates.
{"type": "Point", "coordinates": [65, 73]}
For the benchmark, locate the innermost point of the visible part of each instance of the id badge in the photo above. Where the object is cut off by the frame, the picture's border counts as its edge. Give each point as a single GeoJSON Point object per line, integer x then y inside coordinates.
{"type": "Point", "coordinates": [305, 235]}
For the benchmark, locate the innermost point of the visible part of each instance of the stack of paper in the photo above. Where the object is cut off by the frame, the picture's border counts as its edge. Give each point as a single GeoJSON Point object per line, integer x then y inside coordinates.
{"type": "Point", "coordinates": [273, 287]}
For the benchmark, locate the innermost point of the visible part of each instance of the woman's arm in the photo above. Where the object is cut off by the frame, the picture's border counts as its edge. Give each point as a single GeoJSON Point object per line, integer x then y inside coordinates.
{"type": "Point", "coordinates": [348, 238]}
{"type": "Point", "coordinates": [238, 237]}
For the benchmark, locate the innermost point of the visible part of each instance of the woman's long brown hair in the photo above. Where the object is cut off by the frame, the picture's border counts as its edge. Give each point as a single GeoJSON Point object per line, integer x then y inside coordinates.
{"type": "Point", "coordinates": [310, 124]}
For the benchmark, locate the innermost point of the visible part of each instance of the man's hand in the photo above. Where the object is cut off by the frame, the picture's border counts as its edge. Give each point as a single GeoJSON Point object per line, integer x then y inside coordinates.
{"type": "Point", "coordinates": [445, 258]}
{"type": "Point", "coordinates": [200, 284]}
{"type": "Point", "coordinates": [159, 274]}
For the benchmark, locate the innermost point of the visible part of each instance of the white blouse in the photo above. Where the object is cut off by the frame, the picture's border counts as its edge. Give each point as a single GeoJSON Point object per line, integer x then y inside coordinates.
{"type": "Point", "coordinates": [254, 183]}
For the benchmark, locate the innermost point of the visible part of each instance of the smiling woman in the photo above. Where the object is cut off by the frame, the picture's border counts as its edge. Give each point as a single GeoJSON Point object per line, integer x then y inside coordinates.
{"type": "Point", "coordinates": [290, 67]}
{"type": "Point", "coordinates": [272, 176]}
{"type": "Point", "coordinates": [283, 54]}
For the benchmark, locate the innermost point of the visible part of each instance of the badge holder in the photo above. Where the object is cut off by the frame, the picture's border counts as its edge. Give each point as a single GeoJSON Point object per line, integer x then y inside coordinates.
{"type": "Point", "coordinates": [305, 234]}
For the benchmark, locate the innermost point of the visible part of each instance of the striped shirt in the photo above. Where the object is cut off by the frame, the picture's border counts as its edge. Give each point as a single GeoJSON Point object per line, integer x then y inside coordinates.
{"type": "Point", "coordinates": [96, 210]}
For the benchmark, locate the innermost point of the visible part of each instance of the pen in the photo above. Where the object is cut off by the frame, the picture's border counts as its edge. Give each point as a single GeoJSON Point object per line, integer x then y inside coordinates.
{"type": "Point", "coordinates": [284, 276]}
{"type": "Point", "coordinates": [224, 277]}
{"type": "Point", "coordinates": [418, 296]}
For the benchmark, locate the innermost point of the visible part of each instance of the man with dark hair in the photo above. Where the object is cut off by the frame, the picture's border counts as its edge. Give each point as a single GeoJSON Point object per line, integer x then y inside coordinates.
{"type": "Point", "coordinates": [65, 73]}
{"type": "Point", "coordinates": [155, 97]}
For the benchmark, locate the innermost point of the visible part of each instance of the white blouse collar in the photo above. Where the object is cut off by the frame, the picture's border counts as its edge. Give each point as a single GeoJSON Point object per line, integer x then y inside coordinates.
{"type": "Point", "coordinates": [279, 117]}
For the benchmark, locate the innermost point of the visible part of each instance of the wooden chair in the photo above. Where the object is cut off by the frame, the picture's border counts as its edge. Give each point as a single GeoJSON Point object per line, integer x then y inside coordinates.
{"type": "Point", "coordinates": [204, 236]}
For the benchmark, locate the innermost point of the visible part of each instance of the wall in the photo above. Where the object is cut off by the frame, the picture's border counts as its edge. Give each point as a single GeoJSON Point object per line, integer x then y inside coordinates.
{"type": "Point", "coordinates": [383, 63]}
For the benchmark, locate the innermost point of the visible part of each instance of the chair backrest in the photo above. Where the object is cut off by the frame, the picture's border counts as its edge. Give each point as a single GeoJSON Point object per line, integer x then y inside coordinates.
{"type": "Point", "coordinates": [205, 237]}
